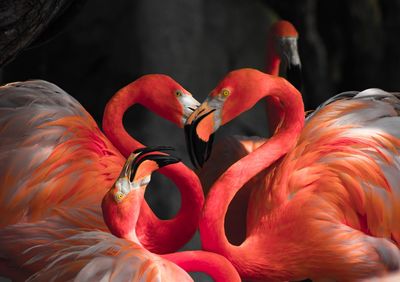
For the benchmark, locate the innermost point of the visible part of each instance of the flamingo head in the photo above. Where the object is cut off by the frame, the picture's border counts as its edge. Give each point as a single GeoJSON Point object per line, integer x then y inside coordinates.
{"type": "Point", "coordinates": [121, 205]}
{"type": "Point", "coordinates": [166, 97]}
{"type": "Point", "coordinates": [238, 92]}
{"type": "Point", "coordinates": [282, 43]}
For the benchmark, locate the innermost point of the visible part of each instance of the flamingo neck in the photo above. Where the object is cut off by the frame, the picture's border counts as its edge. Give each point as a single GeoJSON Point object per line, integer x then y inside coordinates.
{"type": "Point", "coordinates": [224, 189]}
{"type": "Point", "coordinates": [216, 266]}
{"type": "Point", "coordinates": [114, 112]}
{"type": "Point", "coordinates": [159, 236]}
{"type": "Point", "coordinates": [122, 218]}
{"type": "Point", "coordinates": [273, 60]}
{"type": "Point", "coordinates": [171, 234]}
{"type": "Point", "coordinates": [275, 113]}
{"type": "Point", "coordinates": [156, 235]}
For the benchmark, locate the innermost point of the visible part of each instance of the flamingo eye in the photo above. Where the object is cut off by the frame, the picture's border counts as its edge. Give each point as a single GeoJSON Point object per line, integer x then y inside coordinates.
{"type": "Point", "coordinates": [178, 93]}
{"type": "Point", "coordinates": [225, 93]}
{"type": "Point", "coordinates": [119, 196]}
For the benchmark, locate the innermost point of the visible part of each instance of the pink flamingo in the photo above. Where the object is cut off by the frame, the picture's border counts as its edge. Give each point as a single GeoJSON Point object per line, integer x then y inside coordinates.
{"type": "Point", "coordinates": [330, 206]}
{"type": "Point", "coordinates": [281, 56]}
{"type": "Point", "coordinates": [54, 155]}
{"type": "Point", "coordinates": [62, 250]}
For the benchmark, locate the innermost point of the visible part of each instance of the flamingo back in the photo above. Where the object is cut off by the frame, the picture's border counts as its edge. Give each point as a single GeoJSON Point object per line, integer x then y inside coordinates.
{"type": "Point", "coordinates": [51, 152]}
{"type": "Point", "coordinates": [333, 201]}
{"type": "Point", "coordinates": [347, 162]}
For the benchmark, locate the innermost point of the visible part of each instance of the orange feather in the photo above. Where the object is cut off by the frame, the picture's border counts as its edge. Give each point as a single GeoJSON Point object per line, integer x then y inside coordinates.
{"type": "Point", "coordinates": [329, 206]}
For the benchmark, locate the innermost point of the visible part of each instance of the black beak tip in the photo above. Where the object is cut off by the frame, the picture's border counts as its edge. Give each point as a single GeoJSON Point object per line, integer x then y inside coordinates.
{"type": "Point", "coordinates": [294, 76]}
{"type": "Point", "coordinates": [189, 136]}
{"type": "Point", "coordinates": [164, 160]}
{"type": "Point", "coordinates": [199, 150]}
{"type": "Point", "coordinates": [149, 149]}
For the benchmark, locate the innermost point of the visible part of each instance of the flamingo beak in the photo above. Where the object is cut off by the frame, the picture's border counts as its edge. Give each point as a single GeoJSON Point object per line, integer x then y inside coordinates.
{"type": "Point", "coordinates": [153, 154]}
{"type": "Point", "coordinates": [148, 153]}
{"type": "Point", "coordinates": [126, 182]}
{"type": "Point", "coordinates": [294, 75]}
{"type": "Point", "coordinates": [290, 57]}
{"type": "Point", "coordinates": [164, 160]}
{"type": "Point", "coordinates": [189, 104]}
{"type": "Point", "coordinates": [127, 169]}
{"type": "Point", "coordinates": [199, 133]}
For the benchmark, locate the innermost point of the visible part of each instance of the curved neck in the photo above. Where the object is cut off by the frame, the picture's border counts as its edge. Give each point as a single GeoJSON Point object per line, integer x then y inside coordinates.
{"type": "Point", "coordinates": [121, 219]}
{"type": "Point", "coordinates": [224, 189]}
{"type": "Point", "coordinates": [275, 113]}
{"type": "Point", "coordinates": [159, 236]}
{"type": "Point", "coordinates": [113, 126]}
{"type": "Point", "coordinates": [216, 266]}
{"type": "Point", "coordinates": [163, 236]}
{"type": "Point", "coordinates": [273, 60]}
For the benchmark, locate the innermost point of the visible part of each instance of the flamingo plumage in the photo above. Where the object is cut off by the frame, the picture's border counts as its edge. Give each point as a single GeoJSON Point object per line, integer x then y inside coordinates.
{"type": "Point", "coordinates": [53, 155]}
{"type": "Point", "coordinates": [282, 57]}
{"type": "Point", "coordinates": [56, 249]}
{"type": "Point", "coordinates": [330, 206]}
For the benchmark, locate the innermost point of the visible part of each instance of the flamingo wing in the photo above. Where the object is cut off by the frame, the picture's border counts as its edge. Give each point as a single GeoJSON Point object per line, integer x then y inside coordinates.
{"type": "Point", "coordinates": [57, 250]}
{"type": "Point", "coordinates": [51, 152]}
{"type": "Point", "coordinates": [336, 192]}
{"type": "Point", "coordinates": [348, 157]}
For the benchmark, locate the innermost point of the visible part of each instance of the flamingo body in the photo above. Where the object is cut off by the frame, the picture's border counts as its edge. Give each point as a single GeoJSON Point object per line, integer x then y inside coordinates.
{"type": "Point", "coordinates": [53, 155]}
{"type": "Point", "coordinates": [52, 249]}
{"type": "Point", "coordinates": [330, 206]}
{"type": "Point", "coordinates": [339, 188]}
{"type": "Point", "coordinates": [60, 249]}
{"type": "Point", "coordinates": [282, 55]}
{"type": "Point", "coordinates": [45, 135]}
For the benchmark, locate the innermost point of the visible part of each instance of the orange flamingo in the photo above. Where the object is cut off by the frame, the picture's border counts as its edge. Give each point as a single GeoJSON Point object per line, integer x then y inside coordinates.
{"type": "Point", "coordinates": [282, 55]}
{"type": "Point", "coordinates": [172, 102]}
{"type": "Point", "coordinates": [53, 154]}
{"type": "Point", "coordinates": [330, 206]}
{"type": "Point", "coordinates": [61, 250]}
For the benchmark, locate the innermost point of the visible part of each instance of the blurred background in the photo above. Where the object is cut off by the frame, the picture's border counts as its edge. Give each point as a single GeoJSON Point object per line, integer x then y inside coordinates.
{"type": "Point", "coordinates": [93, 48]}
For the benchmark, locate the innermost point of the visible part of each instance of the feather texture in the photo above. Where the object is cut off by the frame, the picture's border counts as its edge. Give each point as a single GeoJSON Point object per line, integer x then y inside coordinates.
{"type": "Point", "coordinates": [48, 143]}
{"type": "Point", "coordinates": [340, 187]}
{"type": "Point", "coordinates": [57, 250]}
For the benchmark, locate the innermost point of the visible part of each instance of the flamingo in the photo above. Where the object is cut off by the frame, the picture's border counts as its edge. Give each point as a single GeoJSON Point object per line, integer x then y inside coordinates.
{"type": "Point", "coordinates": [172, 102]}
{"type": "Point", "coordinates": [57, 249]}
{"type": "Point", "coordinates": [330, 206]}
{"type": "Point", "coordinates": [282, 56]}
{"type": "Point", "coordinates": [53, 154]}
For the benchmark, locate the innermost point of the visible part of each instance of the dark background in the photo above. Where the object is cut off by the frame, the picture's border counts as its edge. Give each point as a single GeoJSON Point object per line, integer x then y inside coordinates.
{"type": "Point", "coordinates": [104, 45]}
